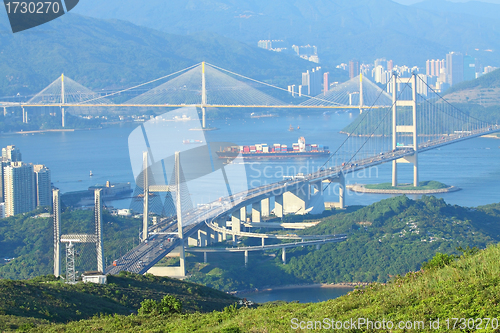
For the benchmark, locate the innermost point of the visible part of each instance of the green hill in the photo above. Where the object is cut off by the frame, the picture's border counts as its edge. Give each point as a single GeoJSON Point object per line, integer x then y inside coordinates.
{"type": "Point", "coordinates": [483, 91]}
{"type": "Point", "coordinates": [341, 29]}
{"type": "Point", "coordinates": [46, 300]}
{"type": "Point", "coordinates": [387, 238]}
{"type": "Point", "coordinates": [465, 288]}
{"type": "Point", "coordinates": [112, 54]}
{"type": "Point", "coordinates": [390, 237]}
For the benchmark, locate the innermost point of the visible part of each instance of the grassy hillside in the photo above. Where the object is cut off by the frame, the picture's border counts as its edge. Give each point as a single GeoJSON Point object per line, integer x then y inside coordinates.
{"type": "Point", "coordinates": [466, 288]}
{"type": "Point", "coordinates": [390, 237]}
{"type": "Point", "coordinates": [480, 93]}
{"type": "Point", "coordinates": [490, 80]}
{"type": "Point", "coordinates": [44, 299]}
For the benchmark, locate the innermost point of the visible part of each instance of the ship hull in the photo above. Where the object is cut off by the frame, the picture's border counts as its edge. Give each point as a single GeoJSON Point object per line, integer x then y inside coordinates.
{"type": "Point", "coordinates": [273, 155]}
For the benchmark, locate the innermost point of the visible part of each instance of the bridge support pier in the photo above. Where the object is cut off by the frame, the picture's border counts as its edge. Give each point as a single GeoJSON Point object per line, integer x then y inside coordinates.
{"type": "Point", "coordinates": [256, 212]}
{"type": "Point", "coordinates": [264, 208]}
{"type": "Point", "coordinates": [237, 218]}
{"type": "Point", "coordinates": [278, 205]}
{"type": "Point", "coordinates": [203, 237]}
{"type": "Point", "coordinates": [246, 257]}
{"type": "Point", "coordinates": [204, 257]}
{"type": "Point", "coordinates": [263, 242]}
{"type": "Point", "coordinates": [283, 255]}
{"type": "Point", "coordinates": [341, 182]}
{"type": "Point", "coordinates": [295, 203]}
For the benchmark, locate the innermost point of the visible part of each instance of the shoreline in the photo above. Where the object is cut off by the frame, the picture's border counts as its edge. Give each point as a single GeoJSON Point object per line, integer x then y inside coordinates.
{"type": "Point", "coordinates": [302, 286]}
{"type": "Point", "coordinates": [60, 130]}
{"type": "Point", "coordinates": [491, 136]}
{"type": "Point", "coordinates": [361, 189]}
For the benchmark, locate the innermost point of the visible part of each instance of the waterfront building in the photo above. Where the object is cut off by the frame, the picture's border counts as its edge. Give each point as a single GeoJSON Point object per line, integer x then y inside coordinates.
{"type": "Point", "coordinates": [43, 186]}
{"type": "Point", "coordinates": [11, 154]}
{"type": "Point", "coordinates": [312, 80]}
{"type": "Point", "coordinates": [19, 184]}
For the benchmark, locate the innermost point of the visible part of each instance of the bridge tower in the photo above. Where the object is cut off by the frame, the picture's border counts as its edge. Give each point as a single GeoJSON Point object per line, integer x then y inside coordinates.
{"type": "Point", "coordinates": [63, 116]}
{"type": "Point", "coordinates": [203, 95]}
{"type": "Point", "coordinates": [404, 128]}
{"type": "Point", "coordinates": [56, 215]}
{"type": "Point", "coordinates": [145, 211]}
{"type": "Point", "coordinates": [72, 239]}
{"type": "Point", "coordinates": [361, 101]}
{"type": "Point", "coordinates": [179, 211]}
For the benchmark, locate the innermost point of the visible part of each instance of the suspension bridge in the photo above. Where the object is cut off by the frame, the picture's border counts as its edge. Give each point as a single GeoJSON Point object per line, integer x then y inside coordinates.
{"type": "Point", "coordinates": [395, 125]}
{"type": "Point", "coordinates": [203, 86]}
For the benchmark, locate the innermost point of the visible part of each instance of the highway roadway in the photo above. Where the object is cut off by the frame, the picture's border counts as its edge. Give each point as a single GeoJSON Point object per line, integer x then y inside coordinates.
{"type": "Point", "coordinates": [147, 254]}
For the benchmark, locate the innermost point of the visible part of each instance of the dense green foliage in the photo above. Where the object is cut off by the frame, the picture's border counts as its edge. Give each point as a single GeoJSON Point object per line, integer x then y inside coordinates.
{"type": "Point", "coordinates": [45, 299]}
{"type": "Point", "coordinates": [168, 304]}
{"type": "Point", "coordinates": [466, 288]}
{"type": "Point", "coordinates": [424, 185]}
{"type": "Point", "coordinates": [390, 237]}
{"type": "Point", "coordinates": [29, 239]}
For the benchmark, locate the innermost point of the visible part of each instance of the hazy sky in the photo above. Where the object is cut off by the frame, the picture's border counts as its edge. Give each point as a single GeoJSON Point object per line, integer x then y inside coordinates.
{"type": "Point", "coordinates": [409, 2]}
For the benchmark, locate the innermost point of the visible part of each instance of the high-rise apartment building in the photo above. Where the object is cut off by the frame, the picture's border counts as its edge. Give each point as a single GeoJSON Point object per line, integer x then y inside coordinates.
{"type": "Point", "coordinates": [19, 184]}
{"type": "Point", "coordinates": [454, 68]}
{"type": "Point", "coordinates": [469, 68]}
{"type": "Point", "coordinates": [381, 62]}
{"type": "Point", "coordinates": [390, 65]}
{"type": "Point", "coordinates": [433, 67]}
{"type": "Point", "coordinates": [2, 187]}
{"type": "Point", "coordinates": [265, 44]}
{"type": "Point", "coordinates": [11, 154]}
{"type": "Point", "coordinates": [353, 68]}
{"type": "Point", "coordinates": [2, 210]}
{"type": "Point", "coordinates": [43, 186]}
{"type": "Point", "coordinates": [326, 83]}
{"type": "Point", "coordinates": [312, 80]}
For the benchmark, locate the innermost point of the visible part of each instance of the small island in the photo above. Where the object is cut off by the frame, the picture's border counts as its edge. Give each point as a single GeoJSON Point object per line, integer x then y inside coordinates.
{"type": "Point", "coordinates": [425, 187]}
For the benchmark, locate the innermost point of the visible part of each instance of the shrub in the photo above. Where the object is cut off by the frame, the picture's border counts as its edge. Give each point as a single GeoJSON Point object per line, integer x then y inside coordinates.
{"type": "Point", "coordinates": [168, 305]}
{"type": "Point", "coordinates": [438, 261]}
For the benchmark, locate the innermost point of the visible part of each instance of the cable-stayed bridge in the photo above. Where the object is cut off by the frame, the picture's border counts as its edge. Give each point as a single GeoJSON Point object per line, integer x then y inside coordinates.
{"type": "Point", "coordinates": [396, 124]}
{"type": "Point", "coordinates": [203, 86]}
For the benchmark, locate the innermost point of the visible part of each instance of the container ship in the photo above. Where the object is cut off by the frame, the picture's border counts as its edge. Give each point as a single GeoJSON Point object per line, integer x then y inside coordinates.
{"type": "Point", "coordinates": [265, 151]}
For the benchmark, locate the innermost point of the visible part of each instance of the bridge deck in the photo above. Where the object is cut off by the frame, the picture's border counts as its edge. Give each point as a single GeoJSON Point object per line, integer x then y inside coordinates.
{"type": "Point", "coordinates": [146, 255]}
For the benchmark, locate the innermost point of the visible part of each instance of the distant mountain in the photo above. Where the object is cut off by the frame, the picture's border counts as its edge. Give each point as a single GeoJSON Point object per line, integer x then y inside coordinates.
{"type": "Point", "coordinates": [342, 29]}
{"type": "Point", "coordinates": [104, 54]}
{"type": "Point", "coordinates": [476, 8]}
